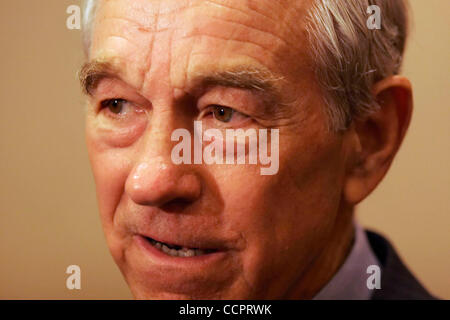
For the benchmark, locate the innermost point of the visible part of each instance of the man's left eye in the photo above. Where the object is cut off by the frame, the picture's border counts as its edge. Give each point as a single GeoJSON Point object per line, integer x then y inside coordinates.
{"type": "Point", "coordinates": [221, 113]}
{"type": "Point", "coordinates": [225, 114]}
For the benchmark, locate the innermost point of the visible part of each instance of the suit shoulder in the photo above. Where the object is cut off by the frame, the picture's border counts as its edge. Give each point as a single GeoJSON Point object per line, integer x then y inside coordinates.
{"type": "Point", "coordinates": [397, 282]}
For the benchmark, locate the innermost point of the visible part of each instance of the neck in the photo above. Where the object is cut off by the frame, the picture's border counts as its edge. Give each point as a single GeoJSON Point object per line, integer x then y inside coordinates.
{"type": "Point", "coordinates": [333, 254]}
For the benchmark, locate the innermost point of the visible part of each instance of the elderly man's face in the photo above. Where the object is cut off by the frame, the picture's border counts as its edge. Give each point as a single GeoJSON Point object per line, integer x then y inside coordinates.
{"type": "Point", "coordinates": [259, 234]}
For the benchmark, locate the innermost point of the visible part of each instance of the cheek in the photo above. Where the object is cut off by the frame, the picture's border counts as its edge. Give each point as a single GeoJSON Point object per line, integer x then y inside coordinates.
{"type": "Point", "coordinates": [110, 168]}
{"type": "Point", "coordinates": [284, 218]}
{"type": "Point", "coordinates": [311, 179]}
{"type": "Point", "coordinates": [306, 187]}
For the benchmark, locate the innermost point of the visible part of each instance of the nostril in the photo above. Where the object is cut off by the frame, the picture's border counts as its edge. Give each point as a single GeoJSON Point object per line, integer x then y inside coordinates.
{"type": "Point", "coordinates": [176, 205]}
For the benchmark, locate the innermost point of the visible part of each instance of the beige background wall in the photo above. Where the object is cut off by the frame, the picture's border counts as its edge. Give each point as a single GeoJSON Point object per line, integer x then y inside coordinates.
{"type": "Point", "coordinates": [48, 213]}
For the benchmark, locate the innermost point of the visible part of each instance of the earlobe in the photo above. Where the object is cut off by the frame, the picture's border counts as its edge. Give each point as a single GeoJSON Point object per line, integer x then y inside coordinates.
{"type": "Point", "coordinates": [380, 134]}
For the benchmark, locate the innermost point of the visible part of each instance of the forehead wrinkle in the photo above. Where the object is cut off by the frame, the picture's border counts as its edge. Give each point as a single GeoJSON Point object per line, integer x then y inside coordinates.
{"type": "Point", "coordinates": [234, 35]}
{"type": "Point", "coordinates": [121, 37]}
{"type": "Point", "coordinates": [271, 29]}
{"type": "Point", "coordinates": [261, 60]}
{"type": "Point", "coordinates": [143, 27]}
{"type": "Point", "coordinates": [285, 11]}
{"type": "Point", "coordinates": [150, 18]}
{"type": "Point", "coordinates": [128, 9]}
{"type": "Point", "coordinates": [240, 22]}
{"type": "Point", "coordinates": [221, 4]}
{"type": "Point", "coordinates": [228, 32]}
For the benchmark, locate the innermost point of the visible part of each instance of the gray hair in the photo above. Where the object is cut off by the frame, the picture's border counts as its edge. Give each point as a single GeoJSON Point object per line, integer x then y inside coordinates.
{"type": "Point", "coordinates": [90, 8]}
{"type": "Point", "coordinates": [348, 57]}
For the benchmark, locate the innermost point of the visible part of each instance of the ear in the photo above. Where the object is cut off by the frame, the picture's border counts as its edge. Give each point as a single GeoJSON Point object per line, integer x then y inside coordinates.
{"type": "Point", "coordinates": [378, 137]}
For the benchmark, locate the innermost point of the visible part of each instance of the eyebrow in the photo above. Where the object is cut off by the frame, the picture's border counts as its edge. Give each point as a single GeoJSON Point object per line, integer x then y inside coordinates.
{"type": "Point", "coordinates": [245, 77]}
{"type": "Point", "coordinates": [92, 72]}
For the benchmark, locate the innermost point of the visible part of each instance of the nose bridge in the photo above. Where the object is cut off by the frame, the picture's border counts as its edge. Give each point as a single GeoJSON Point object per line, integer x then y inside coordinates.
{"type": "Point", "coordinates": [156, 140]}
{"type": "Point", "coordinates": [166, 116]}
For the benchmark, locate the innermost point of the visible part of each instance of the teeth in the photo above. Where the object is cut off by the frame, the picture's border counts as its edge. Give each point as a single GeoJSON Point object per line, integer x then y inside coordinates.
{"type": "Point", "coordinates": [165, 249]}
{"type": "Point", "coordinates": [189, 253]}
{"type": "Point", "coordinates": [183, 252]}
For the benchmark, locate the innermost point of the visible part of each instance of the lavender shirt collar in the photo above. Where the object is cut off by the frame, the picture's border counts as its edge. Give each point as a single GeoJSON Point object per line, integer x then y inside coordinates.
{"type": "Point", "coordinates": [350, 281]}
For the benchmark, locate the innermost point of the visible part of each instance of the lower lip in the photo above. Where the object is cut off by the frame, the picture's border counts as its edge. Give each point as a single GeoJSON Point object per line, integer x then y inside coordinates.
{"type": "Point", "coordinates": [160, 257]}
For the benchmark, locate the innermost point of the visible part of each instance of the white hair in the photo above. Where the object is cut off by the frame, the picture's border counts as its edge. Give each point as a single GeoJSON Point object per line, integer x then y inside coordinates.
{"type": "Point", "coordinates": [90, 8]}
{"type": "Point", "coordinates": [348, 57]}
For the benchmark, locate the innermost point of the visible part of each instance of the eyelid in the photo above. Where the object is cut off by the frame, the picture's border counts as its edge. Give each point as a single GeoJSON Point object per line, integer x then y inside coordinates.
{"type": "Point", "coordinates": [104, 102]}
{"type": "Point", "coordinates": [211, 106]}
{"type": "Point", "coordinates": [238, 118]}
{"type": "Point", "coordinates": [123, 116]}
{"type": "Point", "coordinates": [114, 89]}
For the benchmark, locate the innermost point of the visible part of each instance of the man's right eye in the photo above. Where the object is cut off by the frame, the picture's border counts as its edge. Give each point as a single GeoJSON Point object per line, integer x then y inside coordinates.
{"type": "Point", "coordinates": [116, 106]}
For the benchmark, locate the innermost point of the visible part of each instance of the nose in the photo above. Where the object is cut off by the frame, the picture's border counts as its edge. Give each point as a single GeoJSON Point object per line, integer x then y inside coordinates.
{"type": "Point", "coordinates": [157, 182]}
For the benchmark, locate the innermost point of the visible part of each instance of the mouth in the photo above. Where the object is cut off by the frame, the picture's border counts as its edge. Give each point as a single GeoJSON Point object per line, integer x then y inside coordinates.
{"type": "Point", "coordinates": [177, 250]}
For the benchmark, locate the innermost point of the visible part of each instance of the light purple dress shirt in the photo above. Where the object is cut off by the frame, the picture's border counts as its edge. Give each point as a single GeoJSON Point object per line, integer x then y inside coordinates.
{"type": "Point", "coordinates": [350, 281]}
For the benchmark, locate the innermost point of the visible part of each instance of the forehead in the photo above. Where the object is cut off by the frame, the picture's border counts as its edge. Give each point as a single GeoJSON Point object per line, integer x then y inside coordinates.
{"type": "Point", "coordinates": [177, 38]}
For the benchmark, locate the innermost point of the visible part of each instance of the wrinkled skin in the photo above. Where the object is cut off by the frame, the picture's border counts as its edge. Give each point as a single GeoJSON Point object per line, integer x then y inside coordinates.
{"type": "Point", "coordinates": [282, 235]}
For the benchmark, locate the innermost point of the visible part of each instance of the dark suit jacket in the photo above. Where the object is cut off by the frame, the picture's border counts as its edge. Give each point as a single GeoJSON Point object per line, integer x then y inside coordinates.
{"type": "Point", "coordinates": [397, 282]}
